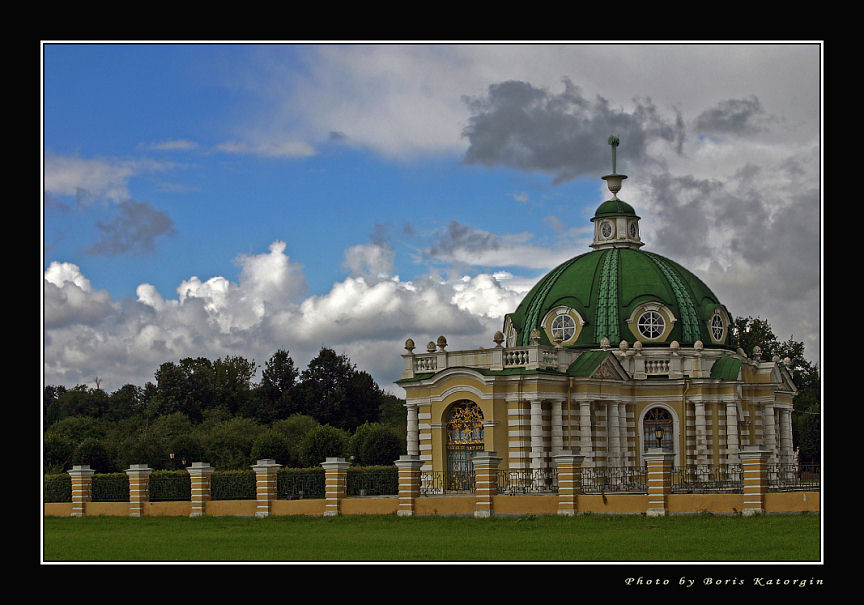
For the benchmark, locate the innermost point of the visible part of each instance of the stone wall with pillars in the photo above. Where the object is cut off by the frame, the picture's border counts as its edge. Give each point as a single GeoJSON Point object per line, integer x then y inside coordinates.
{"type": "Point", "coordinates": [569, 482]}
{"type": "Point", "coordinates": [485, 482]}
{"type": "Point", "coordinates": [199, 477]}
{"type": "Point", "coordinates": [754, 467]}
{"type": "Point", "coordinates": [265, 485]}
{"type": "Point", "coordinates": [409, 483]}
{"type": "Point", "coordinates": [659, 463]}
{"type": "Point", "coordinates": [82, 482]}
{"type": "Point", "coordinates": [139, 488]}
{"type": "Point", "coordinates": [335, 484]}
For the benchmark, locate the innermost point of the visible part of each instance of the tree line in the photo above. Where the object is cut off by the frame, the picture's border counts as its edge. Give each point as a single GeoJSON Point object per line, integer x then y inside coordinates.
{"type": "Point", "coordinates": [213, 411]}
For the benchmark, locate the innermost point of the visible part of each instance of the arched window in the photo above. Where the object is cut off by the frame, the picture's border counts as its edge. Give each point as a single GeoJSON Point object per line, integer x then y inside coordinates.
{"type": "Point", "coordinates": [657, 419]}
{"type": "Point", "coordinates": [464, 440]}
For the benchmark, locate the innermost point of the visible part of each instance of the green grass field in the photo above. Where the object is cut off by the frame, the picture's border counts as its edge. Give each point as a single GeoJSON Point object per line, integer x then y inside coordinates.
{"type": "Point", "coordinates": [391, 538]}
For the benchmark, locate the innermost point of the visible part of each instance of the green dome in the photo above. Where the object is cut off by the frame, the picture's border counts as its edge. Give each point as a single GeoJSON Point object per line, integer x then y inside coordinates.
{"type": "Point", "coordinates": [614, 207]}
{"type": "Point", "coordinates": [609, 290]}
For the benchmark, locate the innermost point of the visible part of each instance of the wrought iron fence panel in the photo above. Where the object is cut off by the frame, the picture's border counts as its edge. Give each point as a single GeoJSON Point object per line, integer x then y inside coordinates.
{"type": "Point", "coordinates": [537, 481]}
{"type": "Point", "coordinates": [705, 478]}
{"type": "Point", "coordinates": [372, 483]}
{"type": "Point", "coordinates": [431, 483]}
{"type": "Point", "coordinates": [792, 477]}
{"type": "Point", "coordinates": [614, 479]}
{"type": "Point", "coordinates": [292, 485]}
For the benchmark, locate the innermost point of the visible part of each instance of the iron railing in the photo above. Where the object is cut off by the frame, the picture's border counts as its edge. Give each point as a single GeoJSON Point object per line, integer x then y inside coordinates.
{"type": "Point", "coordinates": [705, 478]}
{"type": "Point", "coordinates": [383, 482]}
{"type": "Point", "coordinates": [614, 480]}
{"type": "Point", "coordinates": [792, 478]}
{"type": "Point", "coordinates": [537, 481]}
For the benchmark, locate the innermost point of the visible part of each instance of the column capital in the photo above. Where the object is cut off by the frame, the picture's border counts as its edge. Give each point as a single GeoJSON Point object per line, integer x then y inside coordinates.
{"type": "Point", "coordinates": [199, 468]}
{"type": "Point", "coordinates": [335, 464]}
{"type": "Point", "coordinates": [266, 464]}
{"type": "Point", "coordinates": [139, 470]}
{"type": "Point", "coordinates": [486, 458]}
{"type": "Point", "coordinates": [81, 470]}
{"type": "Point", "coordinates": [409, 461]}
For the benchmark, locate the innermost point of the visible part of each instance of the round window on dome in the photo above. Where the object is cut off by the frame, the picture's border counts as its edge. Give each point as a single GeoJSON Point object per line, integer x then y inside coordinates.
{"type": "Point", "coordinates": [651, 325]}
{"type": "Point", "coordinates": [634, 230]}
{"type": "Point", "coordinates": [717, 326]}
{"type": "Point", "coordinates": [562, 324]}
{"type": "Point", "coordinates": [563, 328]}
{"type": "Point", "coordinates": [606, 229]}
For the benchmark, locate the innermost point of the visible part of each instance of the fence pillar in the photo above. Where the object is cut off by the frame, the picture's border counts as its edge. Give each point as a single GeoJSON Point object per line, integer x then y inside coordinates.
{"type": "Point", "coordinates": [569, 482]}
{"type": "Point", "coordinates": [82, 483]}
{"type": "Point", "coordinates": [409, 483]}
{"type": "Point", "coordinates": [659, 465]}
{"type": "Point", "coordinates": [199, 478]}
{"type": "Point", "coordinates": [485, 482]}
{"type": "Point", "coordinates": [754, 472]}
{"type": "Point", "coordinates": [265, 485]}
{"type": "Point", "coordinates": [139, 488]}
{"type": "Point", "coordinates": [335, 480]}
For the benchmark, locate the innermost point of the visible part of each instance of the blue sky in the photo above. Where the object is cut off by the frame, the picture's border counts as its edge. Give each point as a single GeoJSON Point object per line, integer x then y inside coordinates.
{"type": "Point", "coordinates": [235, 199]}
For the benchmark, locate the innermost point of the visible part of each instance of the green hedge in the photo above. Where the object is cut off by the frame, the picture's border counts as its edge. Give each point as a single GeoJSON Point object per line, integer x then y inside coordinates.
{"type": "Point", "coordinates": [168, 486]}
{"type": "Point", "coordinates": [299, 483]}
{"type": "Point", "coordinates": [110, 487]}
{"type": "Point", "coordinates": [372, 481]}
{"type": "Point", "coordinates": [233, 485]}
{"type": "Point", "coordinates": [58, 488]}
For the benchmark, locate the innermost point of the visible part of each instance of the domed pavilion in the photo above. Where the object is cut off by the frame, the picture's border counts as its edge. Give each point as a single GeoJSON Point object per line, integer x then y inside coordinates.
{"type": "Point", "coordinates": [611, 353]}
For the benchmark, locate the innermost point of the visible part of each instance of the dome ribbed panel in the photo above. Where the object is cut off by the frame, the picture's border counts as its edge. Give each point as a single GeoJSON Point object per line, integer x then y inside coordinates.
{"type": "Point", "coordinates": [607, 301]}
{"type": "Point", "coordinates": [689, 319]}
{"type": "Point", "coordinates": [532, 316]}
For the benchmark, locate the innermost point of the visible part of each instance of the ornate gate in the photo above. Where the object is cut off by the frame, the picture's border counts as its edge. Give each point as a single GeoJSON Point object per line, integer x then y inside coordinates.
{"type": "Point", "coordinates": [464, 439]}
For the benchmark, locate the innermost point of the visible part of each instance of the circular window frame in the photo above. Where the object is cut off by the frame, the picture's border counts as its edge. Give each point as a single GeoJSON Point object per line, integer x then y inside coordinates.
{"type": "Point", "coordinates": [559, 311]}
{"type": "Point", "coordinates": [662, 310]}
{"type": "Point", "coordinates": [511, 334]}
{"type": "Point", "coordinates": [633, 230]}
{"type": "Point", "coordinates": [651, 324]}
{"type": "Point", "coordinates": [603, 228]}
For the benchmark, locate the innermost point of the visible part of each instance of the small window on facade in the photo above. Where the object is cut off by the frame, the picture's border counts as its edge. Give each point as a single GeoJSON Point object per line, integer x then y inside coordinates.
{"type": "Point", "coordinates": [717, 326]}
{"type": "Point", "coordinates": [651, 325]}
{"type": "Point", "coordinates": [633, 230]}
{"type": "Point", "coordinates": [606, 229]}
{"type": "Point", "coordinates": [563, 327]}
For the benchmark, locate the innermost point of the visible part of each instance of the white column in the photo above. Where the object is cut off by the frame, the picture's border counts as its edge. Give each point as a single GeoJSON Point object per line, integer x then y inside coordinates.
{"type": "Point", "coordinates": [732, 442]}
{"type": "Point", "coordinates": [537, 453]}
{"type": "Point", "coordinates": [557, 428]}
{"type": "Point", "coordinates": [701, 449]}
{"type": "Point", "coordinates": [622, 430]}
{"type": "Point", "coordinates": [613, 434]}
{"type": "Point", "coordinates": [768, 433]}
{"type": "Point", "coordinates": [585, 434]}
{"type": "Point", "coordinates": [413, 438]}
{"type": "Point", "coordinates": [785, 436]}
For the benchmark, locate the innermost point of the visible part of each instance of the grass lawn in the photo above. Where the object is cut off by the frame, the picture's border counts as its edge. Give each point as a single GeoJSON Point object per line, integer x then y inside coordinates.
{"type": "Point", "coordinates": [390, 538]}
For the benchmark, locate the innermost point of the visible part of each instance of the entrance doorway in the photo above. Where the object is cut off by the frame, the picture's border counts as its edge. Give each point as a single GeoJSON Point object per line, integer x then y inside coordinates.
{"type": "Point", "coordinates": [464, 440]}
